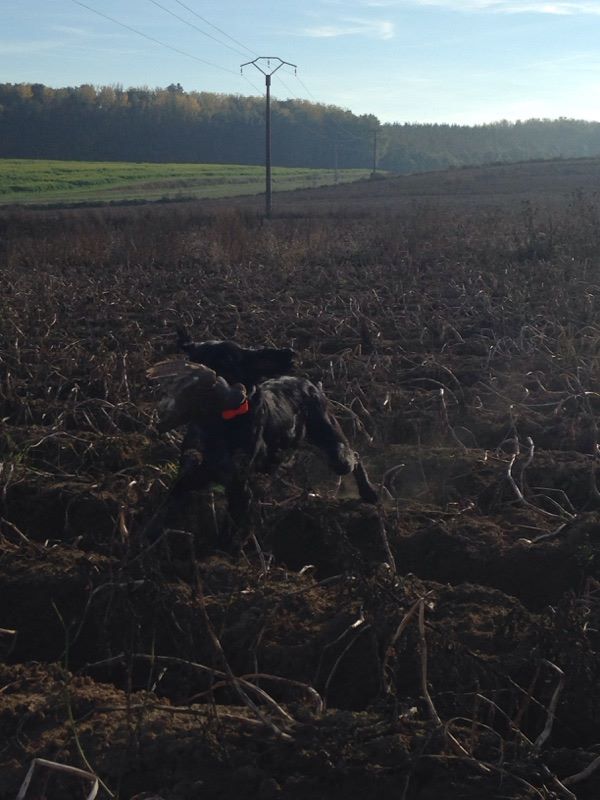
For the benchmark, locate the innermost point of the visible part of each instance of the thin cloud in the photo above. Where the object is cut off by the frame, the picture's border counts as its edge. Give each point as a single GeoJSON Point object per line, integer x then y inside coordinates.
{"type": "Point", "coordinates": [559, 8]}
{"type": "Point", "coordinates": [377, 29]}
{"type": "Point", "coordinates": [70, 30]}
{"type": "Point", "coordinates": [27, 47]}
{"type": "Point", "coordinates": [82, 33]}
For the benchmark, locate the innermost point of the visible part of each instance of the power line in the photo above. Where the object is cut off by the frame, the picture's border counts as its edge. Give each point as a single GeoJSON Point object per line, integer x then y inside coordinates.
{"type": "Point", "coordinates": [177, 49]}
{"type": "Point", "coordinates": [306, 89]}
{"type": "Point", "coordinates": [195, 27]}
{"type": "Point", "coordinates": [221, 31]}
{"type": "Point", "coordinates": [152, 39]}
{"type": "Point", "coordinates": [253, 85]}
{"type": "Point", "coordinates": [214, 38]}
{"type": "Point", "coordinates": [285, 86]}
{"type": "Point", "coordinates": [195, 13]}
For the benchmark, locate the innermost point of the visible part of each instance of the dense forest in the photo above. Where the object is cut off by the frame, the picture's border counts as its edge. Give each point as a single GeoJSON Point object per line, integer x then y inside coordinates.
{"type": "Point", "coordinates": [110, 123]}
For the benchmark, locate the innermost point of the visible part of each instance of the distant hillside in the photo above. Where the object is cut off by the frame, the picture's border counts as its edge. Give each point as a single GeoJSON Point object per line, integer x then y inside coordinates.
{"type": "Point", "coordinates": [170, 125]}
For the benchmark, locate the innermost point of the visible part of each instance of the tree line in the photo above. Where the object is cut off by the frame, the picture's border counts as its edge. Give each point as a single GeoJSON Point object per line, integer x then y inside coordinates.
{"type": "Point", "coordinates": [110, 123]}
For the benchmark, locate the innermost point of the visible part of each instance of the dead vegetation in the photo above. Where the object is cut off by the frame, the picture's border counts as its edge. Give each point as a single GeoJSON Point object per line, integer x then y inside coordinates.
{"type": "Point", "coordinates": [443, 644]}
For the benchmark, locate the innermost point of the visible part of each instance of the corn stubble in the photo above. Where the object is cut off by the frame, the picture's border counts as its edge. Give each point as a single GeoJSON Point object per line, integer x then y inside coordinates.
{"type": "Point", "coordinates": [443, 644]}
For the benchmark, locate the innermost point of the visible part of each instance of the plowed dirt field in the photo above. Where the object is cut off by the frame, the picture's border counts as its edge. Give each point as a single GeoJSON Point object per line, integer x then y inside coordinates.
{"type": "Point", "coordinates": [444, 644]}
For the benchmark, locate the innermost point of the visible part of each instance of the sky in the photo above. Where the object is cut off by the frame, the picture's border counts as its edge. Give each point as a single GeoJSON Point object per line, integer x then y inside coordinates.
{"type": "Point", "coordinates": [454, 61]}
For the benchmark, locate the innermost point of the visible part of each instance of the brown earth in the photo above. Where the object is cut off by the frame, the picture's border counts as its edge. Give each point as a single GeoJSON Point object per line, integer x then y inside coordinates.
{"type": "Point", "coordinates": [443, 644]}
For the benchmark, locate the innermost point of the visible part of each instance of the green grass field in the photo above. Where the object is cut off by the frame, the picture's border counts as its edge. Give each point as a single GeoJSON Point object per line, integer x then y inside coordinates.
{"type": "Point", "coordinates": [33, 181]}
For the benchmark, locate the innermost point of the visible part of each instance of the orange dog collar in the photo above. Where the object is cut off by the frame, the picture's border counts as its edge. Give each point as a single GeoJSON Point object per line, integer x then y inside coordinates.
{"type": "Point", "coordinates": [236, 412]}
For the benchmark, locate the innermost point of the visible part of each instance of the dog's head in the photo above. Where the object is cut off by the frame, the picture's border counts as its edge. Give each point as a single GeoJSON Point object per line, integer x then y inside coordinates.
{"type": "Point", "coordinates": [238, 364]}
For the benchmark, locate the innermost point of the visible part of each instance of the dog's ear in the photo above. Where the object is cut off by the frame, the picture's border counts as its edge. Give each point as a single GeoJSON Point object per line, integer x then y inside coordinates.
{"type": "Point", "coordinates": [271, 362]}
{"type": "Point", "coordinates": [230, 396]}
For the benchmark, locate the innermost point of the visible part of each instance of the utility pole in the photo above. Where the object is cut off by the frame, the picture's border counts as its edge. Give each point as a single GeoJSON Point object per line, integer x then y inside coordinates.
{"type": "Point", "coordinates": [335, 161]}
{"type": "Point", "coordinates": [374, 172]}
{"type": "Point", "coordinates": [267, 71]}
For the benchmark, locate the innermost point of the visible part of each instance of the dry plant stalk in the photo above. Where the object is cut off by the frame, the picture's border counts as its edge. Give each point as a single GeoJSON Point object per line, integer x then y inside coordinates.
{"type": "Point", "coordinates": [305, 687]}
{"type": "Point", "coordinates": [423, 649]}
{"type": "Point", "coordinates": [385, 541]}
{"type": "Point", "coordinates": [13, 529]}
{"type": "Point", "coordinates": [537, 745]}
{"type": "Point", "coordinates": [53, 765]}
{"type": "Point", "coordinates": [528, 697]}
{"type": "Point", "coordinates": [526, 740]}
{"type": "Point", "coordinates": [454, 743]}
{"type": "Point", "coordinates": [447, 422]}
{"type": "Point", "coordinates": [476, 724]}
{"type": "Point", "coordinates": [240, 685]}
{"type": "Point", "coordinates": [520, 496]}
{"type": "Point", "coordinates": [351, 643]}
{"type": "Point", "coordinates": [585, 773]}
{"type": "Point", "coordinates": [357, 625]}
{"type": "Point", "coordinates": [220, 654]}
{"type": "Point", "coordinates": [406, 619]}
